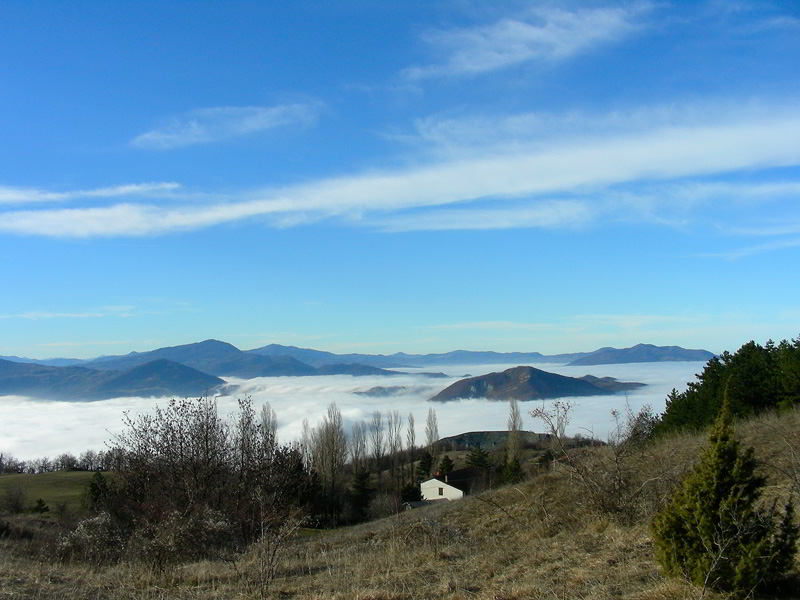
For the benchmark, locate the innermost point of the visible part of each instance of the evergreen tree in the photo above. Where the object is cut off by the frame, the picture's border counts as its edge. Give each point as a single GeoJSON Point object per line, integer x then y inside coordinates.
{"type": "Point", "coordinates": [411, 493]}
{"type": "Point", "coordinates": [360, 494]}
{"type": "Point", "coordinates": [713, 533]}
{"type": "Point", "coordinates": [512, 471]}
{"type": "Point", "coordinates": [478, 457]}
{"type": "Point", "coordinates": [425, 466]}
{"type": "Point", "coordinates": [446, 465]}
{"type": "Point", "coordinates": [754, 378]}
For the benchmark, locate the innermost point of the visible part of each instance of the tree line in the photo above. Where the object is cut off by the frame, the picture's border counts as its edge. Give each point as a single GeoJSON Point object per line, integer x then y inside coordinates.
{"type": "Point", "coordinates": [755, 378]}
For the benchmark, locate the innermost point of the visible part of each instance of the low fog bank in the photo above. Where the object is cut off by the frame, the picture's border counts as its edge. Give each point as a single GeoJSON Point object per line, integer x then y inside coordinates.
{"type": "Point", "coordinates": [35, 428]}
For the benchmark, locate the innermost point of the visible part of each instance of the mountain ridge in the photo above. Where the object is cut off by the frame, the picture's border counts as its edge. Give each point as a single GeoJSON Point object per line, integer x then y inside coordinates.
{"type": "Point", "coordinates": [156, 378]}
{"type": "Point", "coordinates": [315, 358]}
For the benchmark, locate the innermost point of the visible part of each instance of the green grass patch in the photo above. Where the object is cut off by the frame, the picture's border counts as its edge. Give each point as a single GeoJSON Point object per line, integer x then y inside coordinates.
{"type": "Point", "coordinates": [68, 487]}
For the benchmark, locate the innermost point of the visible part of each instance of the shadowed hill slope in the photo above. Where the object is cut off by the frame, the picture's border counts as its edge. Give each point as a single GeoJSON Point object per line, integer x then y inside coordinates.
{"type": "Point", "coordinates": [529, 383]}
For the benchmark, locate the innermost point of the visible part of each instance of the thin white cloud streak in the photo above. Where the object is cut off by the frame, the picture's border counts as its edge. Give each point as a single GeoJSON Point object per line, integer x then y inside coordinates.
{"type": "Point", "coordinates": [544, 215]}
{"type": "Point", "coordinates": [769, 230]}
{"type": "Point", "coordinates": [494, 326]}
{"type": "Point", "coordinates": [576, 166]}
{"type": "Point", "coordinates": [15, 195]}
{"type": "Point", "coordinates": [746, 251]}
{"type": "Point", "coordinates": [639, 322]}
{"type": "Point", "coordinates": [541, 33]}
{"type": "Point", "coordinates": [465, 135]}
{"type": "Point", "coordinates": [110, 311]}
{"type": "Point", "coordinates": [207, 125]}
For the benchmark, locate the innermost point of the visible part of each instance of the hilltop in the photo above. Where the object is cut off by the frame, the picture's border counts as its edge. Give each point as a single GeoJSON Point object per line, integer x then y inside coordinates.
{"type": "Point", "coordinates": [529, 383]}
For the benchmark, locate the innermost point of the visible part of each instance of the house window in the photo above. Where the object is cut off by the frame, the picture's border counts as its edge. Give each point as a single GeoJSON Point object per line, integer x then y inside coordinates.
{"type": "Point", "coordinates": [441, 491]}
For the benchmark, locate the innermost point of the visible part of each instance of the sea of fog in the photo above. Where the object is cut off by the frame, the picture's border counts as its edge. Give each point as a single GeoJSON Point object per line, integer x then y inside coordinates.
{"type": "Point", "coordinates": [33, 428]}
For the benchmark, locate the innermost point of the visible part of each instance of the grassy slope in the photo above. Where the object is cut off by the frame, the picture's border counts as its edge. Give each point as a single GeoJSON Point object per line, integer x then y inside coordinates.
{"type": "Point", "coordinates": [541, 539]}
{"type": "Point", "coordinates": [68, 487]}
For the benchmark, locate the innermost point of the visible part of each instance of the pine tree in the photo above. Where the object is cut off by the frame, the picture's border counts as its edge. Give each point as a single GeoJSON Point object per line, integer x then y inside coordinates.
{"type": "Point", "coordinates": [713, 533]}
{"type": "Point", "coordinates": [446, 465]}
{"type": "Point", "coordinates": [478, 457]}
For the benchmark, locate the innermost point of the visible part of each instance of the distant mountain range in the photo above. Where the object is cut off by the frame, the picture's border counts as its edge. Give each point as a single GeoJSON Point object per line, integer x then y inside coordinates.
{"type": "Point", "coordinates": [207, 361]}
{"type": "Point", "coordinates": [155, 378]}
{"type": "Point", "coordinates": [641, 353]}
{"type": "Point", "coordinates": [528, 383]}
{"type": "Point", "coordinates": [222, 358]}
{"type": "Point", "coordinates": [635, 354]}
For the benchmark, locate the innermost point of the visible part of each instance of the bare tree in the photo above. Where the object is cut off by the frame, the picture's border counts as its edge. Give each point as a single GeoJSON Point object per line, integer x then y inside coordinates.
{"type": "Point", "coordinates": [269, 424]}
{"type": "Point", "coordinates": [431, 431]}
{"type": "Point", "coordinates": [358, 445]}
{"type": "Point", "coordinates": [514, 428]}
{"type": "Point", "coordinates": [376, 437]}
{"type": "Point", "coordinates": [411, 434]}
{"type": "Point", "coordinates": [329, 448]}
{"type": "Point", "coordinates": [305, 444]}
{"type": "Point", "coordinates": [411, 445]}
{"type": "Point", "coordinates": [394, 424]}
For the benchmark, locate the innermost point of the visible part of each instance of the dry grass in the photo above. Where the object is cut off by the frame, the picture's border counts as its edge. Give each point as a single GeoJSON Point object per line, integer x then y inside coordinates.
{"type": "Point", "coordinates": [541, 539]}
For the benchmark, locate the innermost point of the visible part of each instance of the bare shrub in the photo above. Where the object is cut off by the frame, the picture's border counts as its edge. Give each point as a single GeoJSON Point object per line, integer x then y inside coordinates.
{"type": "Point", "coordinates": [179, 537]}
{"type": "Point", "coordinates": [191, 485]}
{"type": "Point", "coordinates": [383, 505]}
{"type": "Point", "coordinates": [268, 549]}
{"type": "Point", "coordinates": [97, 540]}
{"type": "Point", "coordinates": [610, 475]}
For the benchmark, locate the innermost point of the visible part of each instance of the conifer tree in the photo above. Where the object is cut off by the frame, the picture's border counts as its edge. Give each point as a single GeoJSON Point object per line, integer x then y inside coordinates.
{"type": "Point", "coordinates": [713, 531]}
{"type": "Point", "coordinates": [446, 465]}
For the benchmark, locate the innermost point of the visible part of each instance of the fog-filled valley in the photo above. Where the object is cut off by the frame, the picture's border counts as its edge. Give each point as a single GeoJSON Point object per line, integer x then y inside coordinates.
{"type": "Point", "coordinates": [35, 427]}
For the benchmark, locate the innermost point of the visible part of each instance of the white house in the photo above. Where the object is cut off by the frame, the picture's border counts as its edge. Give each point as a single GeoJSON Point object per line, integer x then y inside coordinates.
{"type": "Point", "coordinates": [433, 489]}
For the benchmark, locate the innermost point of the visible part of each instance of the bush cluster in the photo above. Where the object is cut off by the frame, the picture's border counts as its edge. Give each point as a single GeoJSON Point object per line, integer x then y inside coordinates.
{"type": "Point", "coordinates": [714, 533]}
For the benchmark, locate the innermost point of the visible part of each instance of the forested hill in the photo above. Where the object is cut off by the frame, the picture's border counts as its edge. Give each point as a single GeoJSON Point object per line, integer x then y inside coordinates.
{"type": "Point", "coordinates": [755, 378]}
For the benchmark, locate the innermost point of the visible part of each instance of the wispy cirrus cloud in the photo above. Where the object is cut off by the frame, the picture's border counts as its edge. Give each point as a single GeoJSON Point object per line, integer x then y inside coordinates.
{"type": "Point", "coordinates": [98, 313]}
{"type": "Point", "coordinates": [219, 123]}
{"type": "Point", "coordinates": [754, 249]}
{"type": "Point", "coordinates": [17, 195]}
{"type": "Point", "coordinates": [545, 214]}
{"type": "Point", "coordinates": [635, 172]}
{"type": "Point", "coordinates": [540, 33]}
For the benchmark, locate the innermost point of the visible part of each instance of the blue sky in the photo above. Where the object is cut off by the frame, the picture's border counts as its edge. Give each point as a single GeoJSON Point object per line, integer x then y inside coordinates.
{"type": "Point", "coordinates": [386, 176]}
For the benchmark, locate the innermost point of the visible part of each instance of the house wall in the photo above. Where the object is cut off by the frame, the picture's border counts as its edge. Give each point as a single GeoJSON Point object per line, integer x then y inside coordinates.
{"type": "Point", "coordinates": [433, 489]}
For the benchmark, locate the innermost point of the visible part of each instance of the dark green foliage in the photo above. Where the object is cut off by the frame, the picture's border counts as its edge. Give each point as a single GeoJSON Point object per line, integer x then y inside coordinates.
{"type": "Point", "coordinates": [98, 493]}
{"type": "Point", "coordinates": [445, 465]}
{"type": "Point", "coordinates": [713, 533]}
{"type": "Point", "coordinates": [425, 466]}
{"type": "Point", "coordinates": [360, 495]}
{"type": "Point", "coordinates": [512, 471]}
{"type": "Point", "coordinates": [478, 457]}
{"type": "Point", "coordinates": [410, 493]}
{"type": "Point", "coordinates": [755, 378]}
{"type": "Point", "coordinates": [40, 507]}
